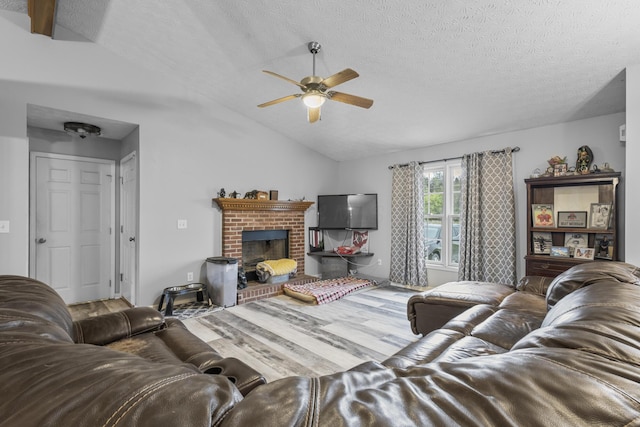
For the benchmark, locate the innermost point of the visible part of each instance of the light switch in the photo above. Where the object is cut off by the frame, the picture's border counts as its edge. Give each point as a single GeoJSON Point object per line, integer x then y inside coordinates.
{"type": "Point", "coordinates": [182, 224]}
{"type": "Point", "coordinates": [4, 226]}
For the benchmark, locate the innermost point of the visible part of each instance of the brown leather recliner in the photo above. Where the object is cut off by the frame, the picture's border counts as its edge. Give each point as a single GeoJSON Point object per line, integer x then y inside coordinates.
{"type": "Point", "coordinates": [126, 368]}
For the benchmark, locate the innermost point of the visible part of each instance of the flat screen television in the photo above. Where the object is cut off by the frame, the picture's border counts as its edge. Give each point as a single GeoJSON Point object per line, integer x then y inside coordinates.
{"type": "Point", "coordinates": [348, 211]}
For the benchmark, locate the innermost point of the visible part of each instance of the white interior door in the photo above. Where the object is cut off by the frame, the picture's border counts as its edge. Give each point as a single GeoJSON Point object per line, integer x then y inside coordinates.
{"type": "Point", "coordinates": [128, 227]}
{"type": "Point", "coordinates": [73, 206]}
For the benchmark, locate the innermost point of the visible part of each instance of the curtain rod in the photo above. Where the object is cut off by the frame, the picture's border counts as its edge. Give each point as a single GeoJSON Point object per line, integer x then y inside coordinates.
{"type": "Point", "coordinates": [514, 150]}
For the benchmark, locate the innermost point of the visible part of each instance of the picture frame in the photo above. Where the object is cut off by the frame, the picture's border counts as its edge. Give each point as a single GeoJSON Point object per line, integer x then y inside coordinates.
{"type": "Point", "coordinates": [560, 251]}
{"type": "Point", "coordinates": [542, 215]}
{"type": "Point", "coordinates": [576, 240]}
{"type": "Point", "coordinates": [604, 246]}
{"type": "Point", "coordinates": [541, 242]}
{"type": "Point", "coordinates": [572, 219]}
{"type": "Point", "coordinates": [560, 169]}
{"type": "Point", "coordinates": [599, 215]}
{"type": "Point", "coordinates": [584, 253]}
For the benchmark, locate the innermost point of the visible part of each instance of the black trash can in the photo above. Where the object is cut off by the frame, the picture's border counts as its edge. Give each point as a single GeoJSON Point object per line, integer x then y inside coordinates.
{"type": "Point", "coordinates": [222, 278]}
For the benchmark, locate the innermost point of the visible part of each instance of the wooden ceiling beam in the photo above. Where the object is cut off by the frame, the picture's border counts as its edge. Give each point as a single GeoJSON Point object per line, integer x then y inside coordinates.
{"type": "Point", "coordinates": [43, 16]}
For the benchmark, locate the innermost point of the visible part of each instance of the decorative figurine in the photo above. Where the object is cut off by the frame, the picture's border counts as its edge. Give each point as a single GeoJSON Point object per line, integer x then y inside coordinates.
{"type": "Point", "coordinates": [585, 158]}
{"type": "Point", "coordinates": [553, 164]}
{"type": "Point", "coordinates": [234, 195]}
{"type": "Point", "coordinates": [606, 168]}
{"type": "Point", "coordinates": [222, 193]}
{"type": "Point", "coordinates": [253, 194]}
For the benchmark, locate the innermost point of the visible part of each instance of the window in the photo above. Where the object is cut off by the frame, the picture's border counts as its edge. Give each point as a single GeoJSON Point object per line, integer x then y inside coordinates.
{"type": "Point", "coordinates": [442, 214]}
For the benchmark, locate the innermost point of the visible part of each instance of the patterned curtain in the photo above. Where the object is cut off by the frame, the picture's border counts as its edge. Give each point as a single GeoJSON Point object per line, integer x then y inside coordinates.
{"type": "Point", "coordinates": [487, 218]}
{"type": "Point", "coordinates": [408, 265]}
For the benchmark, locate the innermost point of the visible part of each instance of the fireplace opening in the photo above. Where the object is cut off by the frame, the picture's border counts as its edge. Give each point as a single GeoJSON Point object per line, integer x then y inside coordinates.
{"type": "Point", "coordinates": [262, 245]}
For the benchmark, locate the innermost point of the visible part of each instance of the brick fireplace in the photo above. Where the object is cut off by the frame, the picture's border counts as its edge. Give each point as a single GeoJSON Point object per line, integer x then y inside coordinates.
{"type": "Point", "coordinates": [240, 215]}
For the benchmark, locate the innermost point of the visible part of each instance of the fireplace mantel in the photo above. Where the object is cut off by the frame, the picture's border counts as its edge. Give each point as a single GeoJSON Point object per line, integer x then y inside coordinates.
{"type": "Point", "coordinates": [230, 204]}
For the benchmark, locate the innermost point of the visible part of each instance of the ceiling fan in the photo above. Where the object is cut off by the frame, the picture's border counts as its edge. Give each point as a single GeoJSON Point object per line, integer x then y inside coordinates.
{"type": "Point", "coordinates": [315, 91]}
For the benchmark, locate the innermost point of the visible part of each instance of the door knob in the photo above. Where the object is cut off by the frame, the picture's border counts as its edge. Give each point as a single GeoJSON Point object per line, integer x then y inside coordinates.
{"type": "Point", "coordinates": [132, 239]}
{"type": "Point", "coordinates": [42, 240]}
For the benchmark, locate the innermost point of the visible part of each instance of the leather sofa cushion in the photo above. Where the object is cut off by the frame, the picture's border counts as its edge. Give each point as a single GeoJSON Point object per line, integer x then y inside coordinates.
{"type": "Point", "coordinates": [507, 327]}
{"type": "Point", "coordinates": [18, 326]}
{"type": "Point", "coordinates": [588, 274]}
{"type": "Point", "coordinates": [424, 350]}
{"type": "Point", "coordinates": [67, 384]}
{"type": "Point", "coordinates": [599, 304]}
{"type": "Point", "coordinates": [594, 320]}
{"type": "Point", "coordinates": [32, 296]}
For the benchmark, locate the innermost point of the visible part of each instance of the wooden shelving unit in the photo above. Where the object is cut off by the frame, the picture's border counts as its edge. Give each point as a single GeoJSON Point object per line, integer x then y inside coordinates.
{"type": "Point", "coordinates": [545, 190]}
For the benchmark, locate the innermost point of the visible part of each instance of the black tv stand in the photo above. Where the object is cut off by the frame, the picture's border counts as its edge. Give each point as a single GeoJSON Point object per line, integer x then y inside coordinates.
{"type": "Point", "coordinates": [337, 265]}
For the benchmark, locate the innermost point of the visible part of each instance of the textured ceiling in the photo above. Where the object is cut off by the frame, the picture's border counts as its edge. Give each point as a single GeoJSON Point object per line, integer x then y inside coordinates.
{"type": "Point", "coordinates": [439, 71]}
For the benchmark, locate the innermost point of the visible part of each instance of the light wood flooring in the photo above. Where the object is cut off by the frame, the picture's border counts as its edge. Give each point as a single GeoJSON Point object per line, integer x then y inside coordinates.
{"type": "Point", "coordinates": [96, 308]}
{"type": "Point", "coordinates": [282, 336]}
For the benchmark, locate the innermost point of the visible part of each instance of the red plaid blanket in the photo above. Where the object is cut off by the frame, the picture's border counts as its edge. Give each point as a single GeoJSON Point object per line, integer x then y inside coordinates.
{"type": "Point", "coordinates": [325, 291]}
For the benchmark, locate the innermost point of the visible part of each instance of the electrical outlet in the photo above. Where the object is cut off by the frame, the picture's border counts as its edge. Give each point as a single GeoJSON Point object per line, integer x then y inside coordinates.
{"type": "Point", "coordinates": [5, 226]}
{"type": "Point", "coordinates": [182, 224]}
{"type": "Point", "coordinates": [379, 261]}
{"type": "Point", "coordinates": [190, 276]}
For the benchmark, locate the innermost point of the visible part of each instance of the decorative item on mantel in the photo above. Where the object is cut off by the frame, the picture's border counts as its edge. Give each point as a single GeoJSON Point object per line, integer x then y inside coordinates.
{"type": "Point", "coordinates": [605, 168]}
{"type": "Point", "coordinates": [554, 164]}
{"type": "Point", "coordinates": [585, 158]}
{"type": "Point", "coordinates": [222, 193]}
{"type": "Point", "coordinates": [256, 194]}
{"type": "Point", "coordinates": [234, 195]}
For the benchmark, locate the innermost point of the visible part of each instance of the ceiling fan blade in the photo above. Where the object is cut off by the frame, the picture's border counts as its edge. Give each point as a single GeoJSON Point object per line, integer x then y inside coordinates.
{"type": "Point", "coordinates": [358, 101]}
{"type": "Point", "coordinates": [284, 78]}
{"type": "Point", "coordinates": [279, 100]}
{"type": "Point", "coordinates": [313, 114]}
{"type": "Point", "coordinates": [339, 78]}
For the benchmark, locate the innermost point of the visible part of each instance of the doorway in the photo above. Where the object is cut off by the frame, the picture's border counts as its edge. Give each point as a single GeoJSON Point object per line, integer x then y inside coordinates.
{"type": "Point", "coordinates": [72, 245]}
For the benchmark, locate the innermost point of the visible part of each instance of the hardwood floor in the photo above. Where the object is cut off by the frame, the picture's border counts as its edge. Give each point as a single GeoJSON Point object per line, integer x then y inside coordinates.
{"type": "Point", "coordinates": [281, 336]}
{"type": "Point", "coordinates": [96, 308]}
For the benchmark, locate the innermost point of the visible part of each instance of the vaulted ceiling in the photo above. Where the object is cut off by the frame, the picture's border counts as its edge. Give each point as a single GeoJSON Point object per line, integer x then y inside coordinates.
{"type": "Point", "coordinates": [438, 71]}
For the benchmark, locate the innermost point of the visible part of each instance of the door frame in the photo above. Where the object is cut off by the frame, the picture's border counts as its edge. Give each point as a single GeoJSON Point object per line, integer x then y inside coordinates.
{"type": "Point", "coordinates": [33, 155]}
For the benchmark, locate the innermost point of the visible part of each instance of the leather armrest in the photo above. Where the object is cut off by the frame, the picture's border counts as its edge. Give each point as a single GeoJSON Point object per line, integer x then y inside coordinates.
{"type": "Point", "coordinates": [242, 375]}
{"type": "Point", "coordinates": [107, 328]}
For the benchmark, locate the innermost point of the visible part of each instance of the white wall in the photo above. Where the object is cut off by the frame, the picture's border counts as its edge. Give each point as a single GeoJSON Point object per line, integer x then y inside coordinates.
{"type": "Point", "coordinates": [189, 147]}
{"type": "Point", "coordinates": [633, 172]}
{"type": "Point", "coordinates": [14, 204]}
{"type": "Point", "coordinates": [536, 146]}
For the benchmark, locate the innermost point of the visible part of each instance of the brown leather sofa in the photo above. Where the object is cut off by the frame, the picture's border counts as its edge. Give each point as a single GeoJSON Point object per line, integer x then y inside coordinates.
{"type": "Point", "coordinates": [567, 356]}
{"type": "Point", "coordinates": [119, 369]}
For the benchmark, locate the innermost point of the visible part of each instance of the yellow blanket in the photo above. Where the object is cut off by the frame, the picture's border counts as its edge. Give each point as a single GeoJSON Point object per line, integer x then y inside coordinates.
{"type": "Point", "coordinates": [277, 267]}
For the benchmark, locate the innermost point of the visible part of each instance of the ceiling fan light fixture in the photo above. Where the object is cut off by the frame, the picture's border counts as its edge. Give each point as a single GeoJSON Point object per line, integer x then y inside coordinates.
{"type": "Point", "coordinates": [81, 129]}
{"type": "Point", "coordinates": [313, 99]}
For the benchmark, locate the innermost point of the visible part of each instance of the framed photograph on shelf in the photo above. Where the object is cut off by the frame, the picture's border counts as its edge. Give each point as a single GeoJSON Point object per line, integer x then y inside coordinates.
{"type": "Point", "coordinates": [560, 251]}
{"type": "Point", "coordinates": [584, 253]}
{"type": "Point", "coordinates": [599, 215]}
{"type": "Point", "coordinates": [541, 242]}
{"type": "Point", "coordinates": [575, 240]}
{"type": "Point", "coordinates": [542, 215]}
{"type": "Point", "coordinates": [603, 247]}
{"type": "Point", "coordinates": [572, 219]}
